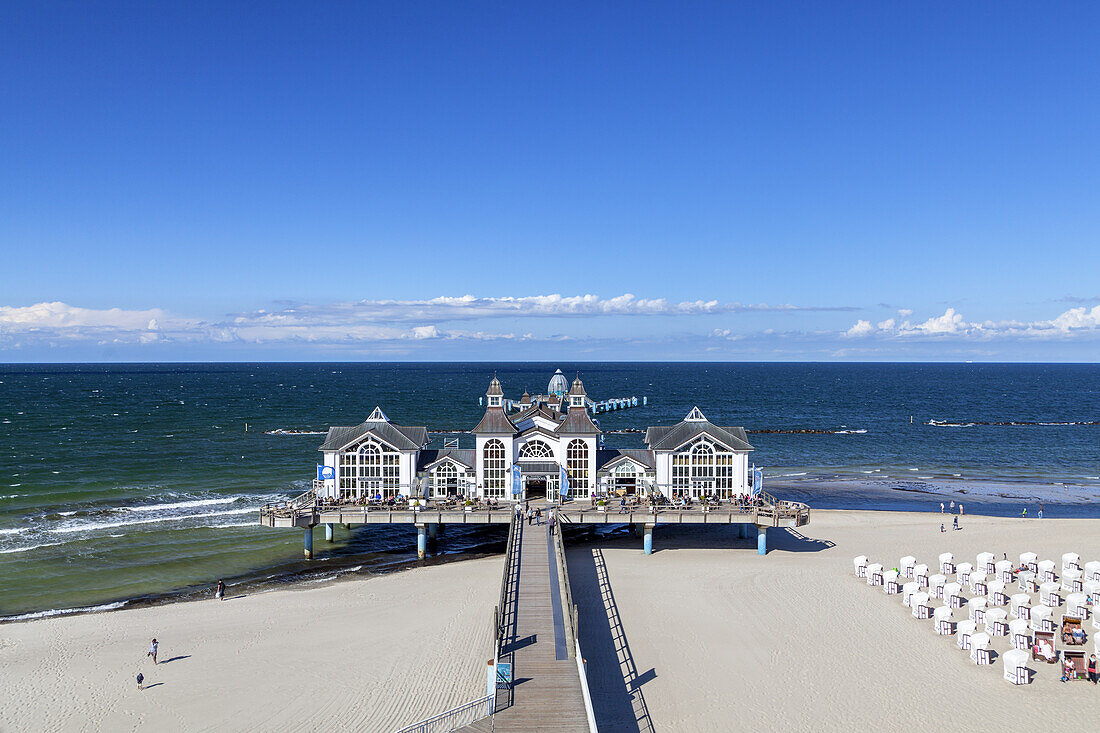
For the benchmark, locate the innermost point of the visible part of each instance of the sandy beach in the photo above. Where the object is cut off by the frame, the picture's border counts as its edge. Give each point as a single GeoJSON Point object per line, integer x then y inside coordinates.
{"type": "Point", "coordinates": [713, 637]}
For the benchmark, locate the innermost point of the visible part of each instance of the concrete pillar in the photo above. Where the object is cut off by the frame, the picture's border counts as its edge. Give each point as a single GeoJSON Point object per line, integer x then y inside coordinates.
{"type": "Point", "coordinates": [328, 532]}
{"type": "Point", "coordinates": [762, 541]}
{"type": "Point", "coordinates": [647, 542]}
{"type": "Point", "coordinates": [308, 551]}
{"type": "Point", "coordinates": [421, 540]}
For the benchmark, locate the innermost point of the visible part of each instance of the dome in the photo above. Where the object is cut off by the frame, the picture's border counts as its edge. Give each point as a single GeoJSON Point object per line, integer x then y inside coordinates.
{"type": "Point", "coordinates": [559, 385]}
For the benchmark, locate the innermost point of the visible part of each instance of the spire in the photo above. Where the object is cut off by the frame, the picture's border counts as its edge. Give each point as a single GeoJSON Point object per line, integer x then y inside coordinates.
{"type": "Point", "coordinates": [494, 388]}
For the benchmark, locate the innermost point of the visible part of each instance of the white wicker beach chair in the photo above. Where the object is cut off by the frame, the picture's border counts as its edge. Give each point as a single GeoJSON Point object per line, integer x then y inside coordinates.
{"type": "Point", "coordinates": [996, 622]}
{"type": "Point", "coordinates": [1092, 590]}
{"type": "Point", "coordinates": [979, 583]}
{"type": "Point", "coordinates": [1071, 561]}
{"type": "Point", "coordinates": [963, 571]}
{"type": "Point", "coordinates": [1004, 571]}
{"type": "Point", "coordinates": [1016, 672]}
{"type": "Point", "coordinates": [1019, 633]}
{"type": "Point", "coordinates": [976, 608]}
{"type": "Point", "coordinates": [1030, 561]}
{"type": "Point", "coordinates": [947, 563]}
{"type": "Point", "coordinates": [964, 630]}
{"type": "Point", "coordinates": [1073, 580]}
{"type": "Point", "coordinates": [952, 595]}
{"type": "Point", "coordinates": [1028, 582]}
{"type": "Point", "coordinates": [1046, 571]}
{"type": "Point", "coordinates": [1042, 619]}
{"type": "Point", "coordinates": [985, 563]}
{"type": "Point", "coordinates": [996, 592]}
{"type": "Point", "coordinates": [906, 565]}
{"type": "Point", "coordinates": [860, 565]}
{"type": "Point", "coordinates": [1049, 595]}
{"type": "Point", "coordinates": [922, 605]}
{"type": "Point", "coordinates": [890, 582]}
{"type": "Point", "coordinates": [908, 590]}
{"type": "Point", "coordinates": [935, 585]}
{"type": "Point", "coordinates": [1077, 604]}
{"type": "Point", "coordinates": [1020, 605]}
{"type": "Point", "coordinates": [1092, 570]}
{"type": "Point", "coordinates": [944, 621]}
{"type": "Point", "coordinates": [979, 648]}
{"type": "Point", "coordinates": [874, 574]}
{"type": "Point", "coordinates": [920, 574]}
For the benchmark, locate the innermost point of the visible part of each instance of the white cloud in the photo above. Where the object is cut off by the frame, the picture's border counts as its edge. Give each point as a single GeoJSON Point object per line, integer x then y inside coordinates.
{"type": "Point", "coordinates": [861, 328]}
{"type": "Point", "coordinates": [61, 316]}
{"type": "Point", "coordinates": [1075, 322]}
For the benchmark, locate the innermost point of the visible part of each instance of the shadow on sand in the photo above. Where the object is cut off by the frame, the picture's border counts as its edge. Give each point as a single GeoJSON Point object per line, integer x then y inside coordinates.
{"type": "Point", "coordinates": [700, 537]}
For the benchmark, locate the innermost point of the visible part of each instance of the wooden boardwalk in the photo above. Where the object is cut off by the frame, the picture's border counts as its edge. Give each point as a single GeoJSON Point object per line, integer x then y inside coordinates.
{"type": "Point", "coordinates": [546, 685]}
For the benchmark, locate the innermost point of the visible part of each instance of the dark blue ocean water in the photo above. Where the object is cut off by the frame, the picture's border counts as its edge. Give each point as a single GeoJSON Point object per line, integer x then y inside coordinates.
{"type": "Point", "coordinates": [118, 481]}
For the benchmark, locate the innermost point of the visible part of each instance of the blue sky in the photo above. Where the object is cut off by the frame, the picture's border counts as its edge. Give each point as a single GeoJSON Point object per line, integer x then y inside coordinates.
{"type": "Point", "coordinates": [827, 181]}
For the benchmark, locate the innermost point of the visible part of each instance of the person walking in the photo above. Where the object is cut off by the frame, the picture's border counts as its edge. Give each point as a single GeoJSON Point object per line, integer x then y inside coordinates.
{"type": "Point", "coordinates": [952, 505]}
{"type": "Point", "coordinates": [941, 527]}
{"type": "Point", "coordinates": [551, 521]}
{"type": "Point", "coordinates": [141, 681]}
{"type": "Point", "coordinates": [955, 522]}
{"type": "Point", "coordinates": [1093, 677]}
{"type": "Point", "coordinates": [153, 650]}
{"type": "Point", "coordinates": [219, 591]}
{"type": "Point", "coordinates": [538, 516]}
{"type": "Point", "coordinates": [960, 509]}
{"type": "Point", "coordinates": [941, 507]}
{"type": "Point", "coordinates": [530, 515]}
{"type": "Point", "coordinates": [1040, 510]}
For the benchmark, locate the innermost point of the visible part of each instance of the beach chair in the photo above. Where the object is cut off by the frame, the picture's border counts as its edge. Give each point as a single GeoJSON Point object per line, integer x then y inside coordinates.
{"type": "Point", "coordinates": [1077, 604]}
{"type": "Point", "coordinates": [1072, 632]}
{"type": "Point", "coordinates": [980, 652]}
{"type": "Point", "coordinates": [908, 591]}
{"type": "Point", "coordinates": [1046, 571]}
{"type": "Point", "coordinates": [963, 631]}
{"type": "Point", "coordinates": [1071, 561]}
{"type": "Point", "coordinates": [1073, 580]}
{"type": "Point", "coordinates": [1020, 606]}
{"type": "Point", "coordinates": [979, 583]}
{"type": "Point", "coordinates": [920, 574]}
{"type": "Point", "coordinates": [944, 622]}
{"type": "Point", "coordinates": [996, 592]}
{"type": "Point", "coordinates": [890, 582]}
{"type": "Point", "coordinates": [860, 564]}
{"type": "Point", "coordinates": [985, 563]}
{"type": "Point", "coordinates": [952, 595]}
{"type": "Point", "coordinates": [1049, 595]}
{"type": "Point", "coordinates": [947, 563]}
{"type": "Point", "coordinates": [1042, 619]}
{"type": "Point", "coordinates": [874, 574]}
{"type": "Point", "coordinates": [1030, 561]}
{"type": "Point", "coordinates": [1043, 648]}
{"type": "Point", "coordinates": [1092, 570]}
{"type": "Point", "coordinates": [976, 608]}
{"type": "Point", "coordinates": [906, 565]}
{"type": "Point", "coordinates": [1005, 572]}
{"type": "Point", "coordinates": [962, 572]}
{"type": "Point", "coordinates": [1028, 582]}
{"type": "Point", "coordinates": [1019, 633]}
{"type": "Point", "coordinates": [1016, 671]}
{"type": "Point", "coordinates": [1077, 662]}
{"type": "Point", "coordinates": [996, 622]}
{"type": "Point", "coordinates": [936, 584]}
{"type": "Point", "coordinates": [922, 606]}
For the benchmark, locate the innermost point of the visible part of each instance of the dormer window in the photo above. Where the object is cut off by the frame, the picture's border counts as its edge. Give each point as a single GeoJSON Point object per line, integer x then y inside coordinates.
{"type": "Point", "coordinates": [494, 401]}
{"type": "Point", "coordinates": [577, 401]}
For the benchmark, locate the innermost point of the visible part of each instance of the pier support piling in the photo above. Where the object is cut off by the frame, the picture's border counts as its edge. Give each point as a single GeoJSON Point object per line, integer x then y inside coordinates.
{"type": "Point", "coordinates": [647, 541]}
{"type": "Point", "coordinates": [328, 532]}
{"type": "Point", "coordinates": [762, 541]}
{"type": "Point", "coordinates": [308, 543]}
{"type": "Point", "coordinates": [421, 540]}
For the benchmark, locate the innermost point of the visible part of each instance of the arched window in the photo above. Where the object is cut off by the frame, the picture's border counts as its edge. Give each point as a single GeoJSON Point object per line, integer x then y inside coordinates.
{"type": "Point", "coordinates": [494, 467]}
{"type": "Point", "coordinates": [445, 479]}
{"type": "Point", "coordinates": [702, 465]}
{"type": "Point", "coordinates": [625, 477]}
{"type": "Point", "coordinates": [535, 449]}
{"type": "Point", "coordinates": [576, 464]}
{"type": "Point", "coordinates": [368, 469]}
{"type": "Point", "coordinates": [703, 468]}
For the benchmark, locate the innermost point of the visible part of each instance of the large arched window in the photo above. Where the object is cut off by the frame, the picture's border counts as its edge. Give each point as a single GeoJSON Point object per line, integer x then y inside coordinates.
{"type": "Point", "coordinates": [625, 477]}
{"type": "Point", "coordinates": [445, 479]}
{"type": "Point", "coordinates": [368, 469]}
{"type": "Point", "coordinates": [576, 464]}
{"type": "Point", "coordinates": [703, 468]}
{"type": "Point", "coordinates": [494, 467]}
{"type": "Point", "coordinates": [536, 449]}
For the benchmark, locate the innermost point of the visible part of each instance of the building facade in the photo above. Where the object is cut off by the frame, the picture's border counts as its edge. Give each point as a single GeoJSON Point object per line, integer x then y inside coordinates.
{"type": "Point", "coordinates": [544, 437]}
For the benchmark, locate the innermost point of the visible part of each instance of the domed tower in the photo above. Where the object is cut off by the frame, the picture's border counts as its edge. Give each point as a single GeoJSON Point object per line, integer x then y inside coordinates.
{"type": "Point", "coordinates": [559, 385]}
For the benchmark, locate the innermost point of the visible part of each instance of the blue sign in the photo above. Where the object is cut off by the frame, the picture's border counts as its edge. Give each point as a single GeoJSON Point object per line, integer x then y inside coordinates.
{"type": "Point", "coordinates": [326, 473]}
{"type": "Point", "coordinates": [516, 480]}
{"type": "Point", "coordinates": [757, 479]}
{"type": "Point", "coordinates": [563, 492]}
{"type": "Point", "coordinates": [504, 675]}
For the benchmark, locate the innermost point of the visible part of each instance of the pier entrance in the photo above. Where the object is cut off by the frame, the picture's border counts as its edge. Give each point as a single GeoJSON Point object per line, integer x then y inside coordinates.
{"type": "Point", "coordinates": [536, 487]}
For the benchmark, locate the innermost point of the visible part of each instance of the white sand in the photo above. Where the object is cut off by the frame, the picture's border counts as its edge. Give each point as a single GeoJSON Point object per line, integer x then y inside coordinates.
{"type": "Point", "coordinates": [793, 641]}
{"type": "Point", "coordinates": [373, 654]}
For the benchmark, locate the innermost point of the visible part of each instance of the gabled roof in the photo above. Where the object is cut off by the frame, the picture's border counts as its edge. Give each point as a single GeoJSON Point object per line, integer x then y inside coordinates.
{"type": "Point", "coordinates": [672, 437]}
{"type": "Point", "coordinates": [612, 457]}
{"type": "Point", "coordinates": [400, 437]}
{"type": "Point", "coordinates": [537, 410]}
{"type": "Point", "coordinates": [577, 422]}
{"type": "Point", "coordinates": [494, 422]}
{"type": "Point", "coordinates": [428, 459]}
{"type": "Point", "coordinates": [538, 429]}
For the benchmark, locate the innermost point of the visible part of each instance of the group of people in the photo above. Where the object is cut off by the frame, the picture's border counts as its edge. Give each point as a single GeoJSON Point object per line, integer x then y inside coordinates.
{"type": "Point", "coordinates": [1069, 672]}
{"type": "Point", "coordinates": [1024, 513]}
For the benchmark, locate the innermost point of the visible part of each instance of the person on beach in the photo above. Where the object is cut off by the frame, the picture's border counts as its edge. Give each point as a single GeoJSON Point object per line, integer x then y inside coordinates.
{"type": "Point", "coordinates": [941, 507]}
{"type": "Point", "coordinates": [1040, 510]}
{"type": "Point", "coordinates": [219, 592]}
{"type": "Point", "coordinates": [141, 681]}
{"type": "Point", "coordinates": [1024, 515]}
{"type": "Point", "coordinates": [955, 522]}
{"type": "Point", "coordinates": [960, 508]}
{"type": "Point", "coordinates": [952, 505]}
{"type": "Point", "coordinates": [1093, 677]}
{"type": "Point", "coordinates": [1067, 670]}
{"type": "Point", "coordinates": [152, 651]}
{"type": "Point", "coordinates": [941, 527]}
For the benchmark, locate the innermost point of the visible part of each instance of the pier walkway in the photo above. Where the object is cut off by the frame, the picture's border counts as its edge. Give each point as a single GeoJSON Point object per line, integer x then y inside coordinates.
{"type": "Point", "coordinates": [538, 637]}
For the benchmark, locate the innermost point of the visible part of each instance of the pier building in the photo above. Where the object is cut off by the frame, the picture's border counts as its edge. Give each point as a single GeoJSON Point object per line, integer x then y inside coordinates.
{"type": "Point", "coordinates": [525, 449]}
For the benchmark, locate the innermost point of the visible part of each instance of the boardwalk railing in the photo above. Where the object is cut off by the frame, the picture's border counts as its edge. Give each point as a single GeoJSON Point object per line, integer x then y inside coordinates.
{"type": "Point", "coordinates": [574, 629]}
{"type": "Point", "coordinates": [463, 715]}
